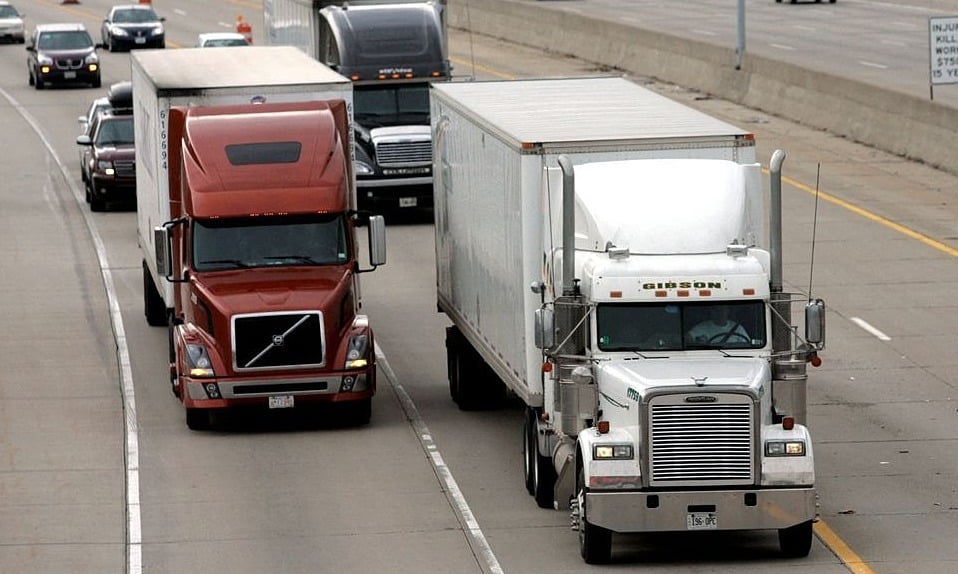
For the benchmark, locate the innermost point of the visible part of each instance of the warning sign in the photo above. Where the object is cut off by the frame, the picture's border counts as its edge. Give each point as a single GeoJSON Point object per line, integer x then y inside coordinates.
{"type": "Point", "coordinates": [943, 40]}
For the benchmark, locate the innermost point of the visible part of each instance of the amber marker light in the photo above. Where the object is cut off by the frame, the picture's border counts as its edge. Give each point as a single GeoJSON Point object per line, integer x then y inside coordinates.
{"type": "Point", "coordinates": [615, 294]}
{"type": "Point", "coordinates": [661, 293]}
{"type": "Point", "coordinates": [788, 423]}
{"type": "Point", "coordinates": [748, 291]}
{"type": "Point", "coordinates": [602, 427]}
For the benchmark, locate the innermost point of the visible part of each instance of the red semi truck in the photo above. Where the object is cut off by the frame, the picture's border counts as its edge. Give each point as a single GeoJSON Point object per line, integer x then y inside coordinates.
{"type": "Point", "coordinates": [247, 222]}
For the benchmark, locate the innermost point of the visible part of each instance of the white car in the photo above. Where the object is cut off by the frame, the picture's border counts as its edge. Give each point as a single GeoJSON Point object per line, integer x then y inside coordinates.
{"type": "Point", "coordinates": [217, 39]}
{"type": "Point", "coordinates": [11, 23]}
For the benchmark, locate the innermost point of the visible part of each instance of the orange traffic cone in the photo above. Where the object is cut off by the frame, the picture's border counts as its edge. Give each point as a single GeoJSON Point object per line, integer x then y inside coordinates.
{"type": "Point", "coordinates": [243, 27]}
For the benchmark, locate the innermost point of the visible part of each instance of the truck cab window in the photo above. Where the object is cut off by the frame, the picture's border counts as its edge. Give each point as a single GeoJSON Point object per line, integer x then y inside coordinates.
{"type": "Point", "coordinates": [270, 241]}
{"type": "Point", "coordinates": [673, 327]}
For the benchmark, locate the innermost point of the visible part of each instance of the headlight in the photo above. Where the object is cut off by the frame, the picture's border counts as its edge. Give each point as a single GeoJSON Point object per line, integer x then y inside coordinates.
{"type": "Point", "coordinates": [105, 166]}
{"type": "Point", "coordinates": [612, 451]}
{"type": "Point", "coordinates": [198, 361]}
{"type": "Point", "coordinates": [357, 353]}
{"type": "Point", "coordinates": [45, 60]}
{"type": "Point", "coordinates": [785, 448]}
{"type": "Point", "coordinates": [92, 58]}
{"type": "Point", "coordinates": [362, 168]}
{"type": "Point", "coordinates": [157, 30]}
{"type": "Point", "coordinates": [117, 31]}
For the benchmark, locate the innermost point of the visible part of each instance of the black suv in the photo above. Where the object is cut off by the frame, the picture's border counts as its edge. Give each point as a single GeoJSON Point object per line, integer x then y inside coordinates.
{"type": "Point", "coordinates": [110, 167]}
{"type": "Point", "coordinates": [62, 53]}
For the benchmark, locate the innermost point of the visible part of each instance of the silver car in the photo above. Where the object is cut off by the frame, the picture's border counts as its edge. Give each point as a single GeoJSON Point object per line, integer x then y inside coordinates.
{"type": "Point", "coordinates": [11, 24]}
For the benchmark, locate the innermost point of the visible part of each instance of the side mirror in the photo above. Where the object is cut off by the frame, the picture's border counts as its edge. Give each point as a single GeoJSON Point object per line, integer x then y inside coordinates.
{"type": "Point", "coordinates": [545, 328]}
{"type": "Point", "coordinates": [815, 323]}
{"type": "Point", "coordinates": [162, 251]}
{"type": "Point", "coordinates": [377, 240]}
{"type": "Point", "coordinates": [84, 140]}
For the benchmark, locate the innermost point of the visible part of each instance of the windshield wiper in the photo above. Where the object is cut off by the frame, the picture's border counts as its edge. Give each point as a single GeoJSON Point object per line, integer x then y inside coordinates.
{"type": "Point", "coordinates": [301, 258]}
{"type": "Point", "coordinates": [234, 262]}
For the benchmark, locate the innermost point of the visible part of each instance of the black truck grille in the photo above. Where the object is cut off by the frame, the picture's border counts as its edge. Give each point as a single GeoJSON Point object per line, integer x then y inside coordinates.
{"type": "Point", "coordinates": [278, 341]}
{"type": "Point", "coordinates": [398, 154]}
{"type": "Point", "coordinates": [697, 442]}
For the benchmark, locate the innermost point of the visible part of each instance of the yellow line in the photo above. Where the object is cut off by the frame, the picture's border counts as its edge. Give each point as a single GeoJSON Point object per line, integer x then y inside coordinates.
{"type": "Point", "coordinates": [933, 243]}
{"type": "Point", "coordinates": [844, 553]}
{"type": "Point", "coordinates": [473, 65]}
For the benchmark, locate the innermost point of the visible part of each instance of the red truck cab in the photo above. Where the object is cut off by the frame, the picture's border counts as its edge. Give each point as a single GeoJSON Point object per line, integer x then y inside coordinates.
{"type": "Point", "coordinates": [262, 251]}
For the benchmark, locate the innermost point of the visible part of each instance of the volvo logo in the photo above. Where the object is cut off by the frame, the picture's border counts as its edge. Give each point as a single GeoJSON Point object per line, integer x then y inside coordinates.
{"type": "Point", "coordinates": [277, 340]}
{"type": "Point", "coordinates": [700, 399]}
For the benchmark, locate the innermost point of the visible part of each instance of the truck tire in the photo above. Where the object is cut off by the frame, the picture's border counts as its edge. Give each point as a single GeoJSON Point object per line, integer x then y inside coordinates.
{"type": "Point", "coordinates": [595, 542]}
{"type": "Point", "coordinates": [361, 411]}
{"type": "Point", "coordinates": [543, 473]}
{"type": "Point", "coordinates": [153, 306]}
{"type": "Point", "coordinates": [529, 450]}
{"type": "Point", "coordinates": [473, 385]}
{"type": "Point", "coordinates": [796, 541]}
{"type": "Point", "coordinates": [199, 419]}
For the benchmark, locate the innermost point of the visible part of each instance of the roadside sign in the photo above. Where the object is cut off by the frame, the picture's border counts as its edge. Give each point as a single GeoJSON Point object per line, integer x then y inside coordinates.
{"type": "Point", "coordinates": [943, 41]}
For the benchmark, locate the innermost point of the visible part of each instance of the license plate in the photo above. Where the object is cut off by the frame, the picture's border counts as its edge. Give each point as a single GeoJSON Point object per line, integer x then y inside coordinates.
{"type": "Point", "coordinates": [407, 202]}
{"type": "Point", "coordinates": [140, 40]}
{"type": "Point", "coordinates": [281, 402]}
{"type": "Point", "coordinates": [702, 520]}
{"type": "Point", "coordinates": [69, 75]}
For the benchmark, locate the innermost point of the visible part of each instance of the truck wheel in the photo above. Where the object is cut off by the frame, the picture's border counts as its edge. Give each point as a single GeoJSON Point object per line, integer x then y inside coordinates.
{"type": "Point", "coordinates": [362, 411]}
{"type": "Point", "coordinates": [199, 419]}
{"type": "Point", "coordinates": [544, 479]}
{"type": "Point", "coordinates": [452, 362]}
{"type": "Point", "coordinates": [595, 542]}
{"type": "Point", "coordinates": [796, 541]}
{"type": "Point", "coordinates": [153, 306]}
{"type": "Point", "coordinates": [529, 450]}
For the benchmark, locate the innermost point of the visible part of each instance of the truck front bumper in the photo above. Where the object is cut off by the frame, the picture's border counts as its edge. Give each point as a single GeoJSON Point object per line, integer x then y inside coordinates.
{"type": "Point", "coordinates": [759, 509]}
{"type": "Point", "coordinates": [229, 392]}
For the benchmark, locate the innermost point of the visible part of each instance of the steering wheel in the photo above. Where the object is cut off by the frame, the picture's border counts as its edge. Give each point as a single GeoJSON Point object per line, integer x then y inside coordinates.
{"type": "Point", "coordinates": [731, 334]}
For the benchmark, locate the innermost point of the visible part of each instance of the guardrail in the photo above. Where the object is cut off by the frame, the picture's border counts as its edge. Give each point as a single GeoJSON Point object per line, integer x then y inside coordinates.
{"type": "Point", "coordinates": [904, 125]}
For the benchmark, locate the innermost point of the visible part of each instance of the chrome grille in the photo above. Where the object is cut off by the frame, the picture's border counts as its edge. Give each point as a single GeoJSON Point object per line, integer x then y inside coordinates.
{"type": "Point", "coordinates": [398, 154]}
{"type": "Point", "coordinates": [696, 442]}
{"type": "Point", "coordinates": [125, 168]}
{"type": "Point", "coordinates": [278, 341]}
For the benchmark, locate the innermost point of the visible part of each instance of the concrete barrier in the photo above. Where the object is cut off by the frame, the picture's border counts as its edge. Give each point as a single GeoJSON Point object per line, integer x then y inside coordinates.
{"type": "Point", "coordinates": [905, 125]}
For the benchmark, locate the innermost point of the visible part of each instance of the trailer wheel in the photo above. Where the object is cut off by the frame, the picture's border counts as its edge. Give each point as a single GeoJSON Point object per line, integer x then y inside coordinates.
{"type": "Point", "coordinates": [595, 542]}
{"type": "Point", "coordinates": [153, 306]}
{"type": "Point", "coordinates": [452, 362]}
{"type": "Point", "coordinates": [796, 541]}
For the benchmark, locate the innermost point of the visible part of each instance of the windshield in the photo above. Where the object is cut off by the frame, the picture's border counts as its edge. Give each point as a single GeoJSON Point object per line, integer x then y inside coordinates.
{"type": "Point", "coordinates": [138, 16]}
{"type": "Point", "coordinates": [64, 40]}
{"type": "Point", "coordinates": [686, 326]}
{"type": "Point", "coordinates": [115, 132]}
{"type": "Point", "coordinates": [392, 105]}
{"type": "Point", "coordinates": [8, 12]}
{"type": "Point", "coordinates": [220, 244]}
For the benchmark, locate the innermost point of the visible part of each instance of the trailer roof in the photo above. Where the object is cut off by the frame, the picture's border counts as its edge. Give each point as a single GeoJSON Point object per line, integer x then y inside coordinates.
{"type": "Point", "coordinates": [204, 68]}
{"type": "Point", "coordinates": [580, 109]}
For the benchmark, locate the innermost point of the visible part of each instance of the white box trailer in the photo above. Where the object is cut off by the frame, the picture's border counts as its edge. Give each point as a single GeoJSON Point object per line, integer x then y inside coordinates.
{"type": "Point", "coordinates": [522, 127]}
{"type": "Point", "coordinates": [196, 77]}
{"type": "Point", "coordinates": [588, 231]}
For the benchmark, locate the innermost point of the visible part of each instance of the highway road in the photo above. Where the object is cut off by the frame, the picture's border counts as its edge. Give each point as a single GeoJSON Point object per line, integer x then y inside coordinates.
{"type": "Point", "coordinates": [425, 487]}
{"type": "Point", "coordinates": [879, 42]}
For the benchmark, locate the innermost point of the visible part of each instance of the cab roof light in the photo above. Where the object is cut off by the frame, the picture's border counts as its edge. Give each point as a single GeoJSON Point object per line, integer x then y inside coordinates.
{"type": "Point", "coordinates": [615, 294]}
{"type": "Point", "coordinates": [682, 293]}
{"type": "Point", "coordinates": [748, 291]}
{"type": "Point", "coordinates": [705, 292]}
{"type": "Point", "coordinates": [661, 293]}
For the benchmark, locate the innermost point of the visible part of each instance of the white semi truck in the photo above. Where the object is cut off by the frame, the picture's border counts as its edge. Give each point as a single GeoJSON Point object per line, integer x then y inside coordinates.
{"type": "Point", "coordinates": [584, 229]}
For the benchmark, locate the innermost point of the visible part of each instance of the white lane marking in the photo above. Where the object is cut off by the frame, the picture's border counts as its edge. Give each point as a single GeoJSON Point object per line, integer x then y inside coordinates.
{"type": "Point", "coordinates": [864, 325]}
{"type": "Point", "coordinates": [477, 540]}
{"type": "Point", "coordinates": [705, 32]}
{"type": "Point", "coordinates": [782, 47]}
{"type": "Point", "coordinates": [873, 65]}
{"type": "Point", "coordinates": [134, 536]}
